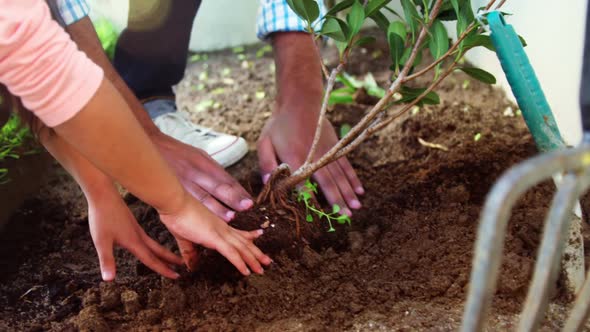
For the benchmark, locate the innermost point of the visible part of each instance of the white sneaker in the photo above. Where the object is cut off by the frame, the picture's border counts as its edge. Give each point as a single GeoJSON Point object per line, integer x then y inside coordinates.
{"type": "Point", "coordinates": [225, 149]}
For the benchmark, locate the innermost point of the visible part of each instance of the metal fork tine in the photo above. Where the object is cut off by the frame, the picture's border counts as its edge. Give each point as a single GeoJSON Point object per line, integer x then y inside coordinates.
{"type": "Point", "coordinates": [548, 261]}
{"type": "Point", "coordinates": [581, 309]}
{"type": "Point", "coordinates": [494, 219]}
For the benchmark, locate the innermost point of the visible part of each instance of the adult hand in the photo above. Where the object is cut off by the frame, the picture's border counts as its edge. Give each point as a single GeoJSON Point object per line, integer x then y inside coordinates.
{"type": "Point", "coordinates": [203, 177]}
{"type": "Point", "coordinates": [111, 223]}
{"type": "Point", "coordinates": [288, 135]}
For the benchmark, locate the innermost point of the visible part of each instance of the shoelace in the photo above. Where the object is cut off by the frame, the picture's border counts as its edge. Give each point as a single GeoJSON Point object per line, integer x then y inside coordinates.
{"type": "Point", "coordinates": [193, 128]}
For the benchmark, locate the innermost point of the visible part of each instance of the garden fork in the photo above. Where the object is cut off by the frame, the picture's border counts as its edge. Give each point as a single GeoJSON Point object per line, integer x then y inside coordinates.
{"type": "Point", "coordinates": [575, 164]}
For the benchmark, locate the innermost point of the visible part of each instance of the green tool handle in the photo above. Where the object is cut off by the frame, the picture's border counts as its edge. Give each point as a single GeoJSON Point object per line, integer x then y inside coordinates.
{"type": "Point", "coordinates": [524, 83]}
{"type": "Point", "coordinates": [585, 85]}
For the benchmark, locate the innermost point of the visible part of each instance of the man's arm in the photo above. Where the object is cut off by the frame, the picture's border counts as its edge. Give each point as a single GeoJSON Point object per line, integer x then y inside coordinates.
{"type": "Point", "coordinates": [289, 133]}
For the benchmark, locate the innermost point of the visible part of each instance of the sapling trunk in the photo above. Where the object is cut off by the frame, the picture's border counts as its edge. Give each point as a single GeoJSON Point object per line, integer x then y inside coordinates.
{"type": "Point", "coordinates": [377, 117]}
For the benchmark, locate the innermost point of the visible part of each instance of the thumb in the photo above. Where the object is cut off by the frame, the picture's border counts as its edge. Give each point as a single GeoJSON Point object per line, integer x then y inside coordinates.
{"type": "Point", "coordinates": [189, 254]}
{"type": "Point", "coordinates": [267, 158]}
{"type": "Point", "coordinates": [108, 267]}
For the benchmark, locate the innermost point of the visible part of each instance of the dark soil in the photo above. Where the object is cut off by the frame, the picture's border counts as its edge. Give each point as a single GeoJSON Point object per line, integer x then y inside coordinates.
{"type": "Point", "coordinates": [404, 263]}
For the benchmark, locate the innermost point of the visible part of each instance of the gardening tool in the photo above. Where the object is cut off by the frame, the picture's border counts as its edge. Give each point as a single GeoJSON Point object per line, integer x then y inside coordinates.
{"type": "Point", "coordinates": [574, 163]}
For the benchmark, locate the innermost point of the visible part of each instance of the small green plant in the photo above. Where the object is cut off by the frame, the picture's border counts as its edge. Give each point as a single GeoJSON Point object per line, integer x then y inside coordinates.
{"type": "Point", "coordinates": [13, 136]}
{"type": "Point", "coordinates": [304, 195]}
{"type": "Point", "coordinates": [345, 94]}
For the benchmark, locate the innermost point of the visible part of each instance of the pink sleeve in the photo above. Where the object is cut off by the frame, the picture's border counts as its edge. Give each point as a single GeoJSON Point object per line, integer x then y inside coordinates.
{"type": "Point", "coordinates": [41, 64]}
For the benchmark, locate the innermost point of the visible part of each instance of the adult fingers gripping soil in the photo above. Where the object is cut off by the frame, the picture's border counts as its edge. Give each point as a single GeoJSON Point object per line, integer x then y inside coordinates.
{"type": "Point", "coordinates": [223, 187]}
{"type": "Point", "coordinates": [330, 189]}
{"type": "Point", "coordinates": [351, 175]}
{"type": "Point", "coordinates": [344, 186]}
{"type": "Point", "coordinates": [209, 201]}
{"type": "Point", "coordinates": [267, 158]}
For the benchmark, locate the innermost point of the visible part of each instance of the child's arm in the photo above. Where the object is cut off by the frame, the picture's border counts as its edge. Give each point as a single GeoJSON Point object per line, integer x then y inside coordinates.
{"type": "Point", "coordinates": [41, 65]}
{"type": "Point", "coordinates": [111, 222]}
{"type": "Point", "coordinates": [115, 143]}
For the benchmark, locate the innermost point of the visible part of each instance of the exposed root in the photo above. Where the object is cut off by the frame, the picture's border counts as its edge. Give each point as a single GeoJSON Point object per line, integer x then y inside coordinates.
{"type": "Point", "coordinates": [269, 190]}
{"type": "Point", "coordinates": [279, 198]}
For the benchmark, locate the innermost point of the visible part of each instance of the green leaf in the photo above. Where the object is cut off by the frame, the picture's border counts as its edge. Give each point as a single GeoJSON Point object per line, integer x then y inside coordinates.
{"type": "Point", "coordinates": [389, 9]}
{"type": "Point", "coordinates": [343, 219]}
{"type": "Point", "coordinates": [374, 6]}
{"type": "Point", "coordinates": [410, 94]}
{"type": "Point", "coordinates": [343, 95]}
{"type": "Point", "coordinates": [417, 59]}
{"type": "Point", "coordinates": [455, 4]}
{"type": "Point", "coordinates": [335, 208]}
{"type": "Point", "coordinates": [475, 40]}
{"type": "Point", "coordinates": [349, 81]}
{"type": "Point", "coordinates": [308, 10]}
{"type": "Point", "coordinates": [464, 17]}
{"type": "Point", "coordinates": [396, 35]}
{"type": "Point", "coordinates": [412, 16]}
{"type": "Point", "coordinates": [373, 89]}
{"type": "Point", "coordinates": [344, 129]}
{"type": "Point", "coordinates": [339, 7]}
{"type": "Point", "coordinates": [479, 74]}
{"type": "Point", "coordinates": [309, 218]}
{"type": "Point", "coordinates": [341, 46]}
{"type": "Point", "coordinates": [381, 20]}
{"type": "Point", "coordinates": [438, 42]}
{"type": "Point", "coordinates": [365, 40]}
{"type": "Point", "coordinates": [355, 18]}
{"type": "Point", "coordinates": [335, 28]}
{"type": "Point", "coordinates": [446, 11]}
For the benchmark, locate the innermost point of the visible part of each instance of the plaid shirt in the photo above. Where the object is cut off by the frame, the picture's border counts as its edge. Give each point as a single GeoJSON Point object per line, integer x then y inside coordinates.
{"type": "Point", "coordinates": [276, 16]}
{"type": "Point", "coordinates": [273, 15]}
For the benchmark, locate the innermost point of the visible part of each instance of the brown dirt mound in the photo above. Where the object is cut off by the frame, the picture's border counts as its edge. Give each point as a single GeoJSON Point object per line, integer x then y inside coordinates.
{"type": "Point", "coordinates": [403, 265]}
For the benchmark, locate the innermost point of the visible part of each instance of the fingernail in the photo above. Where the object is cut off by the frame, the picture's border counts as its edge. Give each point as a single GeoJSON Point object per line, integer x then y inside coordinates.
{"type": "Point", "coordinates": [248, 272]}
{"type": "Point", "coordinates": [246, 203]}
{"type": "Point", "coordinates": [230, 215]}
{"type": "Point", "coordinates": [347, 212]}
{"type": "Point", "coordinates": [107, 276]}
{"type": "Point", "coordinates": [355, 204]}
{"type": "Point", "coordinates": [176, 275]}
{"type": "Point", "coordinates": [265, 178]}
{"type": "Point", "coordinates": [359, 190]}
{"type": "Point", "coordinates": [260, 232]}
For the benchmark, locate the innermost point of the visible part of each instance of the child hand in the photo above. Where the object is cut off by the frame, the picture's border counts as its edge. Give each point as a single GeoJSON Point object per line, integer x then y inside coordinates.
{"type": "Point", "coordinates": [111, 223]}
{"type": "Point", "coordinates": [195, 223]}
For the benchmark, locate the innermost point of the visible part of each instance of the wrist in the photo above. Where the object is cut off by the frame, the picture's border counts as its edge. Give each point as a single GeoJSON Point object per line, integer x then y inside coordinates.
{"type": "Point", "coordinates": [98, 190]}
{"type": "Point", "coordinates": [298, 70]}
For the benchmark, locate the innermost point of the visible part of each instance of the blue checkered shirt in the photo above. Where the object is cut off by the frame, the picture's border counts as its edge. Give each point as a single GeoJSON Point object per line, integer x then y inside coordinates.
{"type": "Point", "coordinates": [276, 16]}
{"type": "Point", "coordinates": [273, 15]}
{"type": "Point", "coordinates": [72, 11]}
